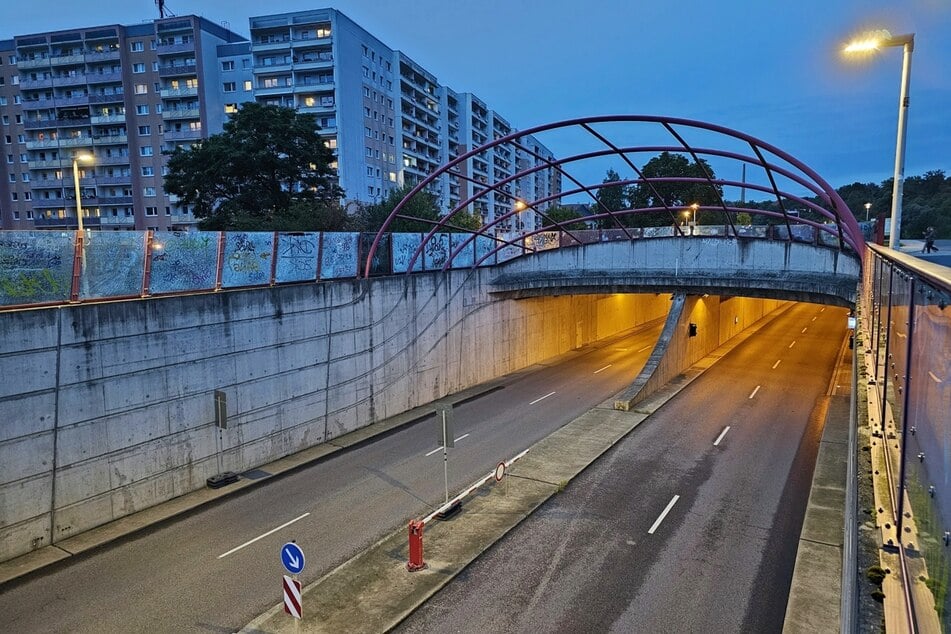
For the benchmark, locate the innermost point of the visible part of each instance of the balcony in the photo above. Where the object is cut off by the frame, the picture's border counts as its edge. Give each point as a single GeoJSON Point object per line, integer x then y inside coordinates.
{"type": "Point", "coordinates": [45, 165]}
{"type": "Point", "coordinates": [184, 219]}
{"type": "Point", "coordinates": [284, 67]}
{"type": "Point", "coordinates": [66, 60]}
{"type": "Point", "coordinates": [102, 56]}
{"type": "Point", "coordinates": [182, 135]}
{"type": "Point", "coordinates": [171, 93]}
{"type": "Point", "coordinates": [120, 159]}
{"type": "Point", "coordinates": [180, 47]}
{"type": "Point", "coordinates": [106, 98]}
{"type": "Point", "coordinates": [112, 139]}
{"type": "Point", "coordinates": [70, 80]}
{"type": "Point", "coordinates": [271, 44]}
{"type": "Point", "coordinates": [30, 84]}
{"type": "Point", "coordinates": [40, 124]}
{"type": "Point", "coordinates": [174, 70]}
{"type": "Point", "coordinates": [181, 113]}
{"type": "Point", "coordinates": [103, 78]}
{"type": "Point", "coordinates": [112, 180]}
{"type": "Point", "coordinates": [308, 63]}
{"type": "Point", "coordinates": [272, 90]}
{"type": "Point", "coordinates": [112, 118]}
{"type": "Point", "coordinates": [117, 221]}
{"type": "Point", "coordinates": [37, 62]}
{"type": "Point", "coordinates": [111, 201]}
{"type": "Point", "coordinates": [313, 86]}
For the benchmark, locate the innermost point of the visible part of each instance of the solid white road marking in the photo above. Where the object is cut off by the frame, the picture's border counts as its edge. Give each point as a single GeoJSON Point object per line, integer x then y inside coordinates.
{"type": "Point", "coordinates": [934, 378]}
{"type": "Point", "coordinates": [541, 399]}
{"type": "Point", "coordinates": [720, 437]}
{"type": "Point", "coordinates": [755, 391]}
{"type": "Point", "coordinates": [270, 532]}
{"type": "Point", "coordinates": [461, 437]}
{"type": "Point", "coordinates": [604, 368]}
{"type": "Point", "coordinates": [776, 365]}
{"type": "Point", "coordinates": [792, 344]}
{"type": "Point", "coordinates": [660, 519]}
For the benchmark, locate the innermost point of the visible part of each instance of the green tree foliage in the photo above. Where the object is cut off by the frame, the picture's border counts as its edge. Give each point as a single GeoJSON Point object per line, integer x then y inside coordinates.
{"type": "Point", "coordinates": [564, 216]}
{"type": "Point", "coordinates": [676, 195]}
{"type": "Point", "coordinates": [423, 206]}
{"type": "Point", "coordinates": [268, 169]}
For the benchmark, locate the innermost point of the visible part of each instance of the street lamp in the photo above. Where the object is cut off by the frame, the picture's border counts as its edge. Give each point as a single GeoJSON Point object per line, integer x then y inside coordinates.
{"type": "Point", "coordinates": [85, 158]}
{"type": "Point", "coordinates": [693, 223]}
{"type": "Point", "coordinates": [868, 206]}
{"type": "Point", "coordinates": [520, 206]}
{"type": "Point", "coordinates": [870, 43]}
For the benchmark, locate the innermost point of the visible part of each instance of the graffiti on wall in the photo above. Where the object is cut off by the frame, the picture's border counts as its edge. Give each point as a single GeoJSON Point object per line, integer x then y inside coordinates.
{"type": "Point", "coordinates": [296, 257]}
{"type": "Point", "coordinates": [184, 262]}
{"type": "Point", "coordinates": [247, 259]}
{"type": "Point", "coordinates": [338, 255]}
{"type": "Point", "coordinates": [113, 265]}
{"type": "Point", "coordinates": [35, 266]}
{"type": "Point", "coordinates": [404, 245]}
{"type": "Point", "coordinates": [436, 252]}
{"type": "Point", "coordinates": [463, 259]}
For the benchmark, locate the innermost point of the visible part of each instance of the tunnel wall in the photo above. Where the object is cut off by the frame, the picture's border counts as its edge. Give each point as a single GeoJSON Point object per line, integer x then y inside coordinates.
{"type": "Point", "coordinates": [106, 409]}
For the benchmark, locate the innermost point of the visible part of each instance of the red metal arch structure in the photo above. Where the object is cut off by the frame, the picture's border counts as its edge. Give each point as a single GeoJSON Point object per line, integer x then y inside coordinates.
{"type": "Point", "coordinates": [837, 218]}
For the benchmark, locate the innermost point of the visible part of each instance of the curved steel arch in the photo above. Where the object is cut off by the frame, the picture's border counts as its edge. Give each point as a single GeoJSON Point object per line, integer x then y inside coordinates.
{"type": "Point", "coordinates": [843, 223]}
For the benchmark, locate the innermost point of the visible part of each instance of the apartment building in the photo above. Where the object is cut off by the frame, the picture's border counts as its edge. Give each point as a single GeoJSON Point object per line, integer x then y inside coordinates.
{"type": "Point", "coordinates": [388, 118]}
{"type": "Point", "coordinates": [122, 95]}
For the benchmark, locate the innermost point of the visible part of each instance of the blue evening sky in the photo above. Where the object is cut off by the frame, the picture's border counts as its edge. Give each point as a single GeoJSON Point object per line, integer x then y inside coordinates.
{"type": "Point", "coordinates": [769, 69]}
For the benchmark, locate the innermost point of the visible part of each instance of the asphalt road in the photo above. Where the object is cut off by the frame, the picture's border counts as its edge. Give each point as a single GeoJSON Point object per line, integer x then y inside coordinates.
{"type": "Point", "coordinates": [218, 568]}
{"type": "Point", "coordinates": [683, 526]}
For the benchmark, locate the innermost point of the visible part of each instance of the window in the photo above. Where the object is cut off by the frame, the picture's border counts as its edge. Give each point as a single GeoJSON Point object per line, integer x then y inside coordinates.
{"type": "Point", "coordinates": [231, 108]}
{"type": "Point", "coordinates": [9, 158]}
{"type": "Point", "coordinates": [3, 101]}
{"type": "Point", "coordinates": [145, 130]}
{"type": "Point", "coordinates": [149, 192]}
{"type": "Point", "coordinates": [21, 138]}
{"type": "Point", "coordinates": [151, 211]}
{"type": "Point", "coordinates": [229, 65]}
{"type": "Point", "coordinates": [13, 178]}
{"type": "Point", "coordinates": [138, 68]}
{"type": "Point", "coordinates": [28, 196]}
{"type": "Point", "coordinates": [25, 177]}
{"type": "Point", "coordinates": [154, 67]}
{"type": "Point", "coordinates": [330, 144]}
{"type": "Point", "coordinates": [148, 171]}
{"type": "Point", "coordinates": [136, 47]}
{"type": "Point", "coordinates": [142, 109]}
{"type": "Point", "coordinates": [145, 150]}
{"type": "Point", "coordinates": [247, 85]}
{"type": "Point", "coordinates": [23, 158]}
{"type": "Point", "coordinates": [8, 139]}
{"type": "Point", "coordinates": [228, 86]}
{"type": "Point", "coordinates": [369, 152]}
{"type": "Point", "coordinates": [141, 89]}
{"type": "Point", "coordinates": [15, 196]}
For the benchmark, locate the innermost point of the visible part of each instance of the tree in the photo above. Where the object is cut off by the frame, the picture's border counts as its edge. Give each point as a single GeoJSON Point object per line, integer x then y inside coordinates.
{"type": "Point", "coordinates": [564, 216]}
{"type": "Point", "coordinates": [676, 195]}
{"type": "Point", "coordinates": [611, 197]}
{"type": "Point", "coordinates": [268, 168]}
{"type": "Point", "coordinates": [423, 205]}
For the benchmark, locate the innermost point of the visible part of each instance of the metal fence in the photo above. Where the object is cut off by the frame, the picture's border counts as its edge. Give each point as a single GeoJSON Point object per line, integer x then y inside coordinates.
{"type": "Point", "coordinates": [908, 319]}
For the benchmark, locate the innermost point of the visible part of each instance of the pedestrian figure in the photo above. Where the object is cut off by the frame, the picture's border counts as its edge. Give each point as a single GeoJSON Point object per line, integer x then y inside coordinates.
{"type": "Point", "coordinates": [929, 240]}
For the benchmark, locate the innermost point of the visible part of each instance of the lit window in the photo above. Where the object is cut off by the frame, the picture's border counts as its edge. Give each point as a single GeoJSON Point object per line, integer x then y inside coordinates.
{"type": "Point", "coordinates": [231, 108]}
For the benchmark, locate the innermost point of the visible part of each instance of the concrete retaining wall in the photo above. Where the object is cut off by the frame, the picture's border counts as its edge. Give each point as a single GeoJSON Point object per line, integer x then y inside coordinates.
{"type": "Point", "coordinates": [717, 321]}
{"type": "Point", "coordinates": [106, 409]}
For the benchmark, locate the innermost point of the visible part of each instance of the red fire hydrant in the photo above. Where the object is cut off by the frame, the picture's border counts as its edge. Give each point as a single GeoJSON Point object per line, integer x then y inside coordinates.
{"type": "Point", "coordinates": [415, 546]}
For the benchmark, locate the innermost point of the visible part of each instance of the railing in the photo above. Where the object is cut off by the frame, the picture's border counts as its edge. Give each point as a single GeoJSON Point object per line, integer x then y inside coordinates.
{"type": "Point", "coordinates": [184, 262]}
{"type": "Point", "coordinates": [907, 320]}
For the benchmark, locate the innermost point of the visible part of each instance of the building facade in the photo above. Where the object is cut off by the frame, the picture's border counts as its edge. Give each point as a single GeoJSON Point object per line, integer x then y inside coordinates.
{"type": "Point", "coordinates": [122, 95]}
{"type": "Point", "coordinates": [128, 95]}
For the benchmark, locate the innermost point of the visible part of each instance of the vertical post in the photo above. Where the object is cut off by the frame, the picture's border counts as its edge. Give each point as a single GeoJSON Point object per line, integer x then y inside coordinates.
{"type": "Point", "coordinates": [445, 454]}
{"type": "Point", "coordinates": [221, 260]}
{"type": "Point", "coordinates": [895, 238]}
{"type": "Point", "coordinates": [415, 546]}
{"type": "Point", "coordinates": [906, 397]}
{"type": "Point", "coordinates": [147, 273]}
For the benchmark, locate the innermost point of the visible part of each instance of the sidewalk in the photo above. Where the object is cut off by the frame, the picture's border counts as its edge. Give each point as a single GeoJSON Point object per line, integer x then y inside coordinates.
{"type": "Point", "coordinates": [373, 592]}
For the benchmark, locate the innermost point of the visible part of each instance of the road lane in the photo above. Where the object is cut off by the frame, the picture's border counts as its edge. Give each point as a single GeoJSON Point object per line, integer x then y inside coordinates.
{"type": "Point", "coordinates": [171, 578]}
{"type": "Point", "coordinates": [721, 559]}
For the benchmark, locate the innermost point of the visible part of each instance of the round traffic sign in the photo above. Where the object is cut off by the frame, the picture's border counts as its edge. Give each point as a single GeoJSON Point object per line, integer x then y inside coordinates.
{"type": "Point", "coordinates": [292, 557]}
{"type": "Point", "coordinates": [500, 472]}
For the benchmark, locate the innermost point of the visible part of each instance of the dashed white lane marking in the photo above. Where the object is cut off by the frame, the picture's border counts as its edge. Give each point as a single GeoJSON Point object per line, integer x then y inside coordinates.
{"type": "Point", "coordinates": [720, 437]}
{"type": "Point", "coordinates": [270, 532]}
{"type": "Point", "coordinates": [934, 378]}
{"type": "Point", "coordinates": [813, 319]}
{"type": "Point", "coordinates": [755, 391]}
{"type": "Point", "coordinates": [541, 399]}
{"type": "Point", "coordinates": [660, 519]}
{"type": "Point", "coordinates": [776, 365]}
{"type": "Point", "coordinates": [644, 348]}
{"type": "Point", "coordinates": [792, 344]}
{"type": "Point", "coordinates": [438, 448]}
{"type": "Point", "coordinates": [805, 329]}
{"type": "Point", "coordinates": [604, 368]}
{"type": "Point", "coordinates": [822, 310]}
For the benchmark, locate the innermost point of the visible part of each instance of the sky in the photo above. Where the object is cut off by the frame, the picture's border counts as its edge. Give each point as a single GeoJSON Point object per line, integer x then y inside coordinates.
{"type": "Point", "coordinates": [769, 69]}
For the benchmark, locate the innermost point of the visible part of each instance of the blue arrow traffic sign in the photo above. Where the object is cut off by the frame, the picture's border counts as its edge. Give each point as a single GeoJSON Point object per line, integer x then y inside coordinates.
{"type": "Point", "coordinates": [292, 557]}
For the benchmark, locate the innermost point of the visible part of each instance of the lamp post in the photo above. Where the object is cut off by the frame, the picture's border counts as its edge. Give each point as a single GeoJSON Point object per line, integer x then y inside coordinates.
{"type": "Point", "coordinates": [520, 206]}
{"type": "Point", "coordinates": [85, 158]}
{"type": "Point", "coordinates": [693, 223]}
{"type": "Point", "coordinates": [871, 43]}
{"type": "Point", "coordinates": [868, 206]}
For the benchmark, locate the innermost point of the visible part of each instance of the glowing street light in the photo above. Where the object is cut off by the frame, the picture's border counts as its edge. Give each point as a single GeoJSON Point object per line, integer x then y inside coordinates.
{"type": "Point", "coordinates": [868, 206]}
{"type": "Point", "coordinates": [871, 43]}
{"type": "Point", "coordinates": [85, 158]}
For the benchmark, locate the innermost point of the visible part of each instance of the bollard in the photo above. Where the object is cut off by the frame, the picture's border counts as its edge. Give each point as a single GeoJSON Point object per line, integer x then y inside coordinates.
{"type": "Point", "coordinates": [415, 546]}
